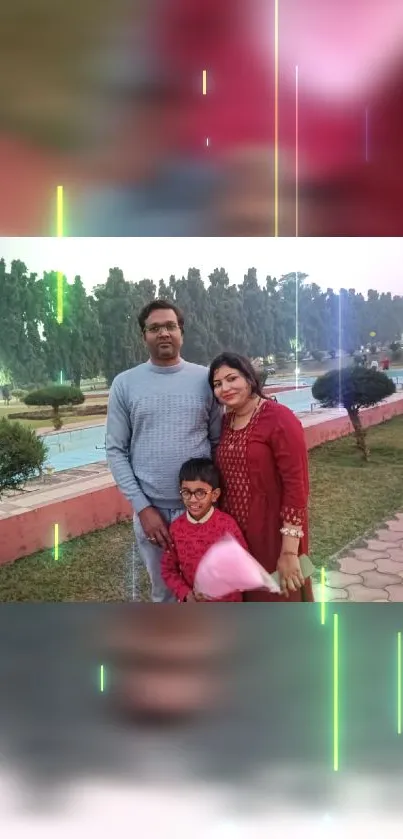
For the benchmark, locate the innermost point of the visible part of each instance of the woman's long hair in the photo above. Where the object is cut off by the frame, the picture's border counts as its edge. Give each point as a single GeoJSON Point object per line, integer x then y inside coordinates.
{"type": "Point", "coordinates": [240, 363]}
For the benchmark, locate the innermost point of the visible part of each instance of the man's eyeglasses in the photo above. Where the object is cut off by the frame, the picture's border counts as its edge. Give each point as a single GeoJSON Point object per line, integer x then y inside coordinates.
{"type": "Point", "coordinates": [155, 328]}
{"type": "Point", "coordinates": [199, 494]}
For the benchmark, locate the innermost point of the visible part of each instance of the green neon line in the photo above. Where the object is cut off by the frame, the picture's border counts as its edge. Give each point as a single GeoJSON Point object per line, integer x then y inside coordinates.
{"type": "Point", "coordinates": [322, 598]}
{"type": "Point", "coordinates": [59, 211]}
{"type": "Point", "coordinates": [102, 678]}
{"type": "Point", "coordinates": [336, 693]}
{"type": "Point", "coordinates": [59, 297]}
{"type": "Point", "coordinates": [399, 682]}
{"type": "Point", "coordinates": [56, 542]}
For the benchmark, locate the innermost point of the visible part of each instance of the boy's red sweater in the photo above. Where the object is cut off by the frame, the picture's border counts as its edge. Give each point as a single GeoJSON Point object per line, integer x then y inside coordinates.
{"type": "Point", "coordinates": [191, 542]}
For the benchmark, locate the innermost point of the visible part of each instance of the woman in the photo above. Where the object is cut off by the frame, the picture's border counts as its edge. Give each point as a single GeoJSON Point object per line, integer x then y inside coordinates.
{"type": "Point", "coordinates": [264, 466]}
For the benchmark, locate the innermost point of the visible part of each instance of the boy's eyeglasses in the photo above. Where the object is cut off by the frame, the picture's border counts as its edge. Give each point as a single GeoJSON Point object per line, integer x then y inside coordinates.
{"type": "Point", "coordinates": [199, 494]}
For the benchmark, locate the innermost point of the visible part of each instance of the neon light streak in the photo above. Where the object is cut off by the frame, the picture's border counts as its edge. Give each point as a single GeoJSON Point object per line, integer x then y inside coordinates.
{"type": "Point", "coordinates": [399, 682]}
{"type": "Point", "coordinates": [322, 596]}
{"type": "Point", "coordinates": [102, 680]}
{"type": "Point", "coordinates": [56, 542]}
{"type": "Point", "coordinates": [366, 136]}
{"type": "Point", "coordinates": [336, 693]}
{"type": "Point", "coordinates": [296, 151]}
{"type": "Point", "coordinates": [340, 360]}
{"type": "Point", "coordinates": [296, 330]}
{"type": "Point", "coordinates": [276, 117]}
{"type": "Point", "coordinates": [59, 297]}
{"type": "Point", "coordinates": [204, 82]}
{"type": "Point", "coordinates": [59, 205]}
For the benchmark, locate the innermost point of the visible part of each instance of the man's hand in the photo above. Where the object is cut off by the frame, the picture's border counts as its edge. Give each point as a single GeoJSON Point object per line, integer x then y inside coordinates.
{"type": "Point", "coordinates": [155, 528]}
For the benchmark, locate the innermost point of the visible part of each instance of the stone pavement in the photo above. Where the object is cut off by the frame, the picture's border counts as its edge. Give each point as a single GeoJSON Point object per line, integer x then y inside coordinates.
{"type": "Point", "coordinates": [370, 574]}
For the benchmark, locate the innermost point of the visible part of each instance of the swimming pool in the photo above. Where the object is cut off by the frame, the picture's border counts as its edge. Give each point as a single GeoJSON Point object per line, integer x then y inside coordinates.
{"type": "Point", "coordinates": [69, 449]}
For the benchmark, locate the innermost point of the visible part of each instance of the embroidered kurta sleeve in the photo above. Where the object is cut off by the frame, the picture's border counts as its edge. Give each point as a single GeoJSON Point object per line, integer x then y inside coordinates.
{"type": "Point", "coordinates": [290, 453]}
{"type": "Point", "coordinates": [171, 574]}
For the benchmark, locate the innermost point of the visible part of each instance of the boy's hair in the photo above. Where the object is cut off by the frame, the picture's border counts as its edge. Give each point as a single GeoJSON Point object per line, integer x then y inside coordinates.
{"type": "Point", "coordinates": [200, 469]}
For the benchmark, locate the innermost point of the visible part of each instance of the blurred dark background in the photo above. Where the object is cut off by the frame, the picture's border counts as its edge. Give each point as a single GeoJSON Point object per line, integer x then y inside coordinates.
{"type": "Point", "coordinates": [106, 98]}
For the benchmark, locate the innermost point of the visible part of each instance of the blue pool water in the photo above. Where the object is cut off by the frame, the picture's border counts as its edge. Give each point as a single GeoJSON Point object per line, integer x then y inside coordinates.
{"type": "Point", "coordinates": [69, 449]}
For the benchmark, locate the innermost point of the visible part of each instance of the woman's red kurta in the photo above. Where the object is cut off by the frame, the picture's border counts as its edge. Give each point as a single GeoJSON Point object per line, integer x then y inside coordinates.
{"type": "Point", "coordinates": [264, 469]}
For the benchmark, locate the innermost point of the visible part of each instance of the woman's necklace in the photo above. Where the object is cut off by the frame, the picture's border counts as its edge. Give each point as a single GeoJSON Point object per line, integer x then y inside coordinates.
{"type": "Point", "coordinates": [233, 418]}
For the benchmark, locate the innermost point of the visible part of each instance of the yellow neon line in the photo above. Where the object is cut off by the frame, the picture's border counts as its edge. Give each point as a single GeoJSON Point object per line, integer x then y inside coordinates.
{"type": "Point", "coordinates": [336, 693]}
{"type": "Point", "coordinates": [322, 599]}
{"type": "Point", "coordinates": [59, 210]}
{"type": "Point", "coordinates": [296, 150]}
{"type": "Point", "coordinates": [276, 117]}
{"type": "Point", "coordinates": [56, 542]}
{"type": "Point", "coordinates": [204, 82]}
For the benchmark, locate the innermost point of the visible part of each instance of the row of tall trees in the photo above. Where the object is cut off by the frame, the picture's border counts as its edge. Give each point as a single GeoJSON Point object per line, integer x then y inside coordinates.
{"type": "Point", "coordinates": [99, 332]}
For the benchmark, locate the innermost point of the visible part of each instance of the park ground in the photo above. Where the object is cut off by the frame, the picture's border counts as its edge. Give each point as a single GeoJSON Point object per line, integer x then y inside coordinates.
{"type": "Point", "coordinates": [19, 408]}
{"type": "Point", "coordinates": [348, 499]}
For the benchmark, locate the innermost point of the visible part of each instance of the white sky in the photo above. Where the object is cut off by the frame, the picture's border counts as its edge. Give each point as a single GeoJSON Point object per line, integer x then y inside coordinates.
{"type": "Point", "coordinates": [349, 263]}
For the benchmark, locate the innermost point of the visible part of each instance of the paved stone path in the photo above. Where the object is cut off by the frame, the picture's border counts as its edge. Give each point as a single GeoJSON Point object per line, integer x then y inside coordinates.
{"type": "Point", "coordinates": [370, 574]}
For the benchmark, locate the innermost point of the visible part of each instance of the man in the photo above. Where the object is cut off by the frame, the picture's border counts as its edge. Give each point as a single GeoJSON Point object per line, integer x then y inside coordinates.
{"type": "Point", "coordinates": [160, 414]}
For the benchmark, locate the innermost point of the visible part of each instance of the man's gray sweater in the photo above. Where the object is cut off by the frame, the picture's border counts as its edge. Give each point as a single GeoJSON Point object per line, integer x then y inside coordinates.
{"type": "Point", "coordinates": [158, 417]}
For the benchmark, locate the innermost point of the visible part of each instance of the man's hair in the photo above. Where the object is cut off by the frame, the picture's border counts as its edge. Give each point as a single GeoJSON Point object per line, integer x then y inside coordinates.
{"type": "Point", "coordinates": [160, 304]}
{"type": "Point", "coordinates": [200, 469]}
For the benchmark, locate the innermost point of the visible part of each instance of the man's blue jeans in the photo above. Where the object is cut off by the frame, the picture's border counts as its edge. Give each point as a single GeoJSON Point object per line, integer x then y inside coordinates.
{"type": "Point", "coordinates": [151, 556]}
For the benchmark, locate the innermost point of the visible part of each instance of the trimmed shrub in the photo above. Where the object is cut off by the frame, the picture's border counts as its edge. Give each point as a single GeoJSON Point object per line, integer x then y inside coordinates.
{"type": "Point", "coordinates": [354, 388]}
{"type": "Point", "coordinates": [22, 455]}
{"type": "Point", "coordinates": [56, 396]}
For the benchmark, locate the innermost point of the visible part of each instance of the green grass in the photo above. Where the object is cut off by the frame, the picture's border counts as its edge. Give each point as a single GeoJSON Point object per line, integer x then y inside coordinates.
{"type": "Point", "coordinates": [66, 421]}
{"type": "Point", "coordinates": [348, 499]}
{"type": "Point", "coordinates": [19, 408]}
{"type": "Point", "coordinates": [95, 567]}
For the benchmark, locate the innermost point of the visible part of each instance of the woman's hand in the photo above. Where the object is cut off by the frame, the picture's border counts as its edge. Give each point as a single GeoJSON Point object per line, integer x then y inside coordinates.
{"type": "Point", "coordinates": [289, 569]}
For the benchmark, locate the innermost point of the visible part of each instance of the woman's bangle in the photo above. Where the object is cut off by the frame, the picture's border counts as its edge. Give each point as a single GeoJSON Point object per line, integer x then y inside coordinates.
{"type": "Point", "coordinates": [295, 532]}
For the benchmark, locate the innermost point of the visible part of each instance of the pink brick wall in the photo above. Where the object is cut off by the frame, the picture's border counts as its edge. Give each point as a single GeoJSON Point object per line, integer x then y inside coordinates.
{"type": "Point", "coordinates": [332, 429]}
{"type": "Point", "coordinates": [24, 534]}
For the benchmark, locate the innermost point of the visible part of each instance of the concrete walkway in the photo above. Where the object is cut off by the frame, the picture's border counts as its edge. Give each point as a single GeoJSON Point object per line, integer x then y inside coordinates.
{"type": "Point", "coordinates": [370, 574]}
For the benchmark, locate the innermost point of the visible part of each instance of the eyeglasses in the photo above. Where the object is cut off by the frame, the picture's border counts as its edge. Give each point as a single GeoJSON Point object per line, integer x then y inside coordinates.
{"type": "Point", "coordinates": [199, 494]}
{"type": "Point", "coordinates": [155, 328]}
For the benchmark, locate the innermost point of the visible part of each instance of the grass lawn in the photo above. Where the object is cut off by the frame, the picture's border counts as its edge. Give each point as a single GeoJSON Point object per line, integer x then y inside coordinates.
{"type": "Point", "coordinates": [348, 499]}
{"type": "Point", "coordinates": [19, 408]}
{"type": "Point", "coordinates": [66, 421]}
{"type": "Point", "coordinates": [96, 567]}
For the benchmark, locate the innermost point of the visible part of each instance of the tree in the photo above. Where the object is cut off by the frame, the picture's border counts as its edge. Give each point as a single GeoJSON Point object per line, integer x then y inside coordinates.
{"type": "Point", "coordinates": [354, 388]}
{"type": "Point", "coordinates": [118, 305]}
{"type": "Point", "coordinates": [20, 345]}
{"type": "Point", "coordinates": [55, 396]}
{"type": "Point", "coordinates": [22, 455]}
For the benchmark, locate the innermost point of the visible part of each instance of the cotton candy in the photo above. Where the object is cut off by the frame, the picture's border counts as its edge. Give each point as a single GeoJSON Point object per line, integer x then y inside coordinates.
{"type": "Point", "coordinates": [228, 567]}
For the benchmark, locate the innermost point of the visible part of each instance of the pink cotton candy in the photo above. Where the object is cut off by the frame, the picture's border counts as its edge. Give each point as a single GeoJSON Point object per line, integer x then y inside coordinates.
{"type": "Point", "coordinates": [227, 567]}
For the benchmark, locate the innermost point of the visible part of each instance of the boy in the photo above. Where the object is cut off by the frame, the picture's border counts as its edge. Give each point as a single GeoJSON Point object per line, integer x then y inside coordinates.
{"type": "Point", "coordinates": [197, 530]}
